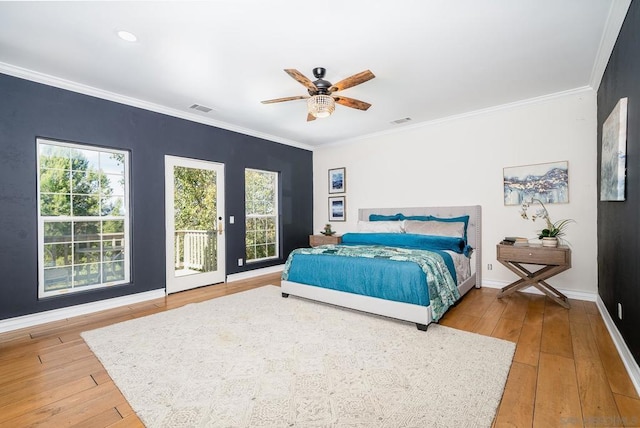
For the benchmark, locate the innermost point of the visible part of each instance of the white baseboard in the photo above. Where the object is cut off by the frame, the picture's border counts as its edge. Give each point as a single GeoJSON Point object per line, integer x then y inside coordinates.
{"type": "Point", "coordinates": [253, 273]}
{"type": "Point", "coordinates": [74, 311]}
{"type": "Point", "coordinates": [625, 354]}
{"type": "Point", "coordinates": [30, 320]}
{"type": "Point", "coordinates": [572, 294]}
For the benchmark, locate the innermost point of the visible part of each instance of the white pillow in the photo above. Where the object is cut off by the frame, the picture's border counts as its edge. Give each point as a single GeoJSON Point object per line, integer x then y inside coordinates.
{"type": "Point", "coordinates": [380, 226]}
{"type": "Point", "coordinates": [437, 228]}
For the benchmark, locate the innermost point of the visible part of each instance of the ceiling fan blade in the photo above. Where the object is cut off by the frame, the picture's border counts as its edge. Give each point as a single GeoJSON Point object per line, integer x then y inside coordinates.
{"type": "Point", "coordinates": [301, 78]}
{"type": "Point", "coordinates": [354, 80]}
{"type": "Point", "coordinates": [310, 117]}
{"type": "Point", "coordinates": [279, 100]}
{"type": "Point", "coordinates": [353, 103]}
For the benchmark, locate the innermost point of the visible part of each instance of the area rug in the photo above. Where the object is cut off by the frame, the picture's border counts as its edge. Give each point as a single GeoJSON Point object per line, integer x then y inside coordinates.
{"type": "Point", "coordinates": [254, 359]}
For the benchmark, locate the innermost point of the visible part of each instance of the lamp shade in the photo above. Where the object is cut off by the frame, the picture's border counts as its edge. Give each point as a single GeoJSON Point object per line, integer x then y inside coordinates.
{"type": "Point", "coordinates": [321, 105]}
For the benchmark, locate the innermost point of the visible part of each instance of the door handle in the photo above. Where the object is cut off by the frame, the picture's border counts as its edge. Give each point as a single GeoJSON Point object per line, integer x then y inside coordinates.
{"type": "Point", "coordinates": [220, 226]}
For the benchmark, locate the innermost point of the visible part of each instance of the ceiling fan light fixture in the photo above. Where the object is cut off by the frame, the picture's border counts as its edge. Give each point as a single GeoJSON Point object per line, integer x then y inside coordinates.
{"type": "Point", "coordinates": [321, 101]}
{"type": "Point", "coordinates": [320, 106]}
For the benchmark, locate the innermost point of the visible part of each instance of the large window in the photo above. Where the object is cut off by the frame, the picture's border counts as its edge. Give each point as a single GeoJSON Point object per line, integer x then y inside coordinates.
{"type": "Point", "coordinates": [261, 202]}
{"type": "Point", "coordinates": [83, 217]}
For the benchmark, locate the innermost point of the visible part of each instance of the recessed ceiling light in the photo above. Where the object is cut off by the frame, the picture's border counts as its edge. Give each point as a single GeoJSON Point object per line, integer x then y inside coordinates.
{"type": "Point", "coordinates": [125, 35]}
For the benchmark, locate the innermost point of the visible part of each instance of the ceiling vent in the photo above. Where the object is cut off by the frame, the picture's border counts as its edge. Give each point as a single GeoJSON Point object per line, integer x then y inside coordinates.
{"type": "Point", "coordinates": [201, 108]}
{"type": "Point", "coordinates": [399, 121]}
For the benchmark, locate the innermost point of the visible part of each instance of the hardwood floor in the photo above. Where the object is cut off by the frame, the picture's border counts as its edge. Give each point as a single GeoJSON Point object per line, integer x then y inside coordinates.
{"type": "Point", "coordinates": [566, 370]}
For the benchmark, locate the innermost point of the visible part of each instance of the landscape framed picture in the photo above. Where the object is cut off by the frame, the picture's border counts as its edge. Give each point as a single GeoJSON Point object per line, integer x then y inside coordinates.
{"type": "Point", "coordinates": [337, 208]}
{"type": "Point", "coordinates": [547, 182]}
{"type": "Point", "coordinates": [337, 180]}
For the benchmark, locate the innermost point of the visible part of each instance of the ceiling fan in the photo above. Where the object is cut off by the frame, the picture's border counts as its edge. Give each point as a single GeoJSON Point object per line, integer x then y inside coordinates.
{"type": "Point", "coordinates": [321, 100]}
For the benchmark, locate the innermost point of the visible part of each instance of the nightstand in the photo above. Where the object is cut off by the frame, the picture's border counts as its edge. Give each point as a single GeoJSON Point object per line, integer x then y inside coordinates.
{"type": "Point", "coordinates": [315, 240]}
{"type": "Point", "coordinates": [552, 259]}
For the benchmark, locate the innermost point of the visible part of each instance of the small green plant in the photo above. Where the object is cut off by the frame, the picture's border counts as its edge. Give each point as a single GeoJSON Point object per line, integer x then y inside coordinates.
{"type": "Point", "coordinates": [327, 230]}
{"type": "Point", "coordinates": [553, 230]}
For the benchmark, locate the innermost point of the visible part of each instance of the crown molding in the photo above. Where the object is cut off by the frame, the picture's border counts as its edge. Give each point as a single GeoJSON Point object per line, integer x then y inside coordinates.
{"type": "Point", "coordinates": [615, 19]}
{"type": "Point", "coordinates": [515, 104]}
{"type": "Point", "coordinates": [57, 82]}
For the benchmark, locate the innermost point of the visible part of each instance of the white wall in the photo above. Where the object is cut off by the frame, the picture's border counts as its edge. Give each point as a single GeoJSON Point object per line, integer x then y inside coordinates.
{"type": "Point", "coordinates": [460, 162]}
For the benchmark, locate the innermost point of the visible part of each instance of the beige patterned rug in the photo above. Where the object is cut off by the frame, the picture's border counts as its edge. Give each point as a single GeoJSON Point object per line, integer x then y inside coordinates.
{"type": "Point", "coordinates": [254, 359]}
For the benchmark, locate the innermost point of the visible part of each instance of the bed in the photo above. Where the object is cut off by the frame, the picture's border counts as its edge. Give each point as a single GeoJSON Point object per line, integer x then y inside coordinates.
{"type": "Point", "coordinates": [401, 282]}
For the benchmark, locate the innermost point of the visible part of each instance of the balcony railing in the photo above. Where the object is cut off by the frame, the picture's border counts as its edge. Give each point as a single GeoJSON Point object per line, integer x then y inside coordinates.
{"type": "Point", "coordinates": [195, 250]}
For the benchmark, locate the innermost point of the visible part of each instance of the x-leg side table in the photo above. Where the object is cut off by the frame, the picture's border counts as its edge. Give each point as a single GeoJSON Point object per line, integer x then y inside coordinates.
{"type": "Point", "coordinates": [553, 259]}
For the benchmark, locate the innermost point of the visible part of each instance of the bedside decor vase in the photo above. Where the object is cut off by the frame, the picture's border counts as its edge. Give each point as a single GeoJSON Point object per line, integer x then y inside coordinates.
{"type": "Point", "coordinates": [549, 242]}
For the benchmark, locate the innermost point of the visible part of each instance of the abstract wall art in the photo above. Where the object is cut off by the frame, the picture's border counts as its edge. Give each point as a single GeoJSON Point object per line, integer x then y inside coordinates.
{"type": "Point", "coordinates": [547, 182]}
{"type": "Point", "coordinates": [337, 183]}
{"type": "Point", "coordinates": [614, 154]}
{"type": "Point", "coordinates": [337, 208]}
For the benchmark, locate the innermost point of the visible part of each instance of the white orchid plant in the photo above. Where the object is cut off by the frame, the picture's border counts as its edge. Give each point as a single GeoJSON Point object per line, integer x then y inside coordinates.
{"type": "Point", "coordinates": [553, 230]}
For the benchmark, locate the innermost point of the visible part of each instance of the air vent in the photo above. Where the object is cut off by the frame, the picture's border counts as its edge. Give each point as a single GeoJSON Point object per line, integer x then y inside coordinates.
{"type": "Point", "coordinates": [399, 121]}
{"type": "Point", "coordinates": [201, 108]}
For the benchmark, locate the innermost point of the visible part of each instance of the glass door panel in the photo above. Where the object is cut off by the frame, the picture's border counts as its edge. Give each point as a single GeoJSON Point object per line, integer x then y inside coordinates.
{"type": "Point", "coordinates": [195, 232]}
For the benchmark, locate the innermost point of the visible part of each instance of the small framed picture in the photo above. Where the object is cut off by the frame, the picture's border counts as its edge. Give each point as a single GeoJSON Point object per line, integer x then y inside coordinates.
{"type": "Point", "coordinates": [337, 180]}
{"type": "Point", "coordinates": [337, 208]}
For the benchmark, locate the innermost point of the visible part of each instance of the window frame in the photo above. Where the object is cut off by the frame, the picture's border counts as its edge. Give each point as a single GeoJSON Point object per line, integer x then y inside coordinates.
{"type": "Point", "coordinates": [44, 219]}
{"type": "Point", "coordinates": [275, 216]}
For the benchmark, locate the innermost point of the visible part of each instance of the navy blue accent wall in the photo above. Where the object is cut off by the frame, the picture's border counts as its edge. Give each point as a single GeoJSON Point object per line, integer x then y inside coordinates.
{"type": "Point", "coordinates": [619, 222]}
{"type": "Point", "coordinates": [29, 110]}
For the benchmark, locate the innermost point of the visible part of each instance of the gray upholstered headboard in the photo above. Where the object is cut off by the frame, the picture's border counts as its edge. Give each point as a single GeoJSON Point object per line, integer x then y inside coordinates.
{"type": "Point", "coordinates": [474, 229]}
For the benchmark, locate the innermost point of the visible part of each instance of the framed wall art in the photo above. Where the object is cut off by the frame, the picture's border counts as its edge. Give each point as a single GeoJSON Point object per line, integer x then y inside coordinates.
{"type": "Point", "coordinates": [337, 180]}
{"type": "Point", "coordinates": [614, 154]}
{"type": "Point", "coordinates": [547, 182]}
{"type": "Point", "coordinates": [337, 208]}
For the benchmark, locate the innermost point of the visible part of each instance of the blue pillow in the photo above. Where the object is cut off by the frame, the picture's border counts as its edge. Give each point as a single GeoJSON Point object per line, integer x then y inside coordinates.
{"type": "Point", "coordinates": [418, 217]}
{"type": "Point", "coordinates": [380, 217]}
{"type": "Point", "coordinates": [407, 240]}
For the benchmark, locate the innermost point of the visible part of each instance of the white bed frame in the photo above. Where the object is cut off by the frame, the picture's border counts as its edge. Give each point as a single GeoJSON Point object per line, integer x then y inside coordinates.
{"type": "Point", "coordinates": [421, 315]}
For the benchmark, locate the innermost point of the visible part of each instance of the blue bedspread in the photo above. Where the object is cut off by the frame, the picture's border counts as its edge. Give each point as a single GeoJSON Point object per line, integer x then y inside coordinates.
{"type": "Point", "coordinates": [400, 274]}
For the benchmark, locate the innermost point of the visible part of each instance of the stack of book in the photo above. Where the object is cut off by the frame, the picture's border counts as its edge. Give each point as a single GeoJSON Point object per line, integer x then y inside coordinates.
{"type": "Point", "coordinates": [515, 241]}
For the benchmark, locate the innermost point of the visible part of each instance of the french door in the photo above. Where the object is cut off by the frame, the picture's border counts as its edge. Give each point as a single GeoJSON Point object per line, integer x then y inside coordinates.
{"type": "Point", "coordinates": [195, 235]}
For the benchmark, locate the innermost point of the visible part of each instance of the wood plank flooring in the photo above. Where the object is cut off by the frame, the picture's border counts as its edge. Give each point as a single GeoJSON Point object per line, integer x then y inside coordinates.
{"type": "Point", "coordinates": [566, 370]}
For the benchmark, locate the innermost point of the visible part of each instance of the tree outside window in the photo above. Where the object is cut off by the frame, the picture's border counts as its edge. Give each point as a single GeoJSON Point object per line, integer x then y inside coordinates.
{"type": "Point", "coordinates": [261, 214]}
{"type": "Point", "coordinates": [83, 219]}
